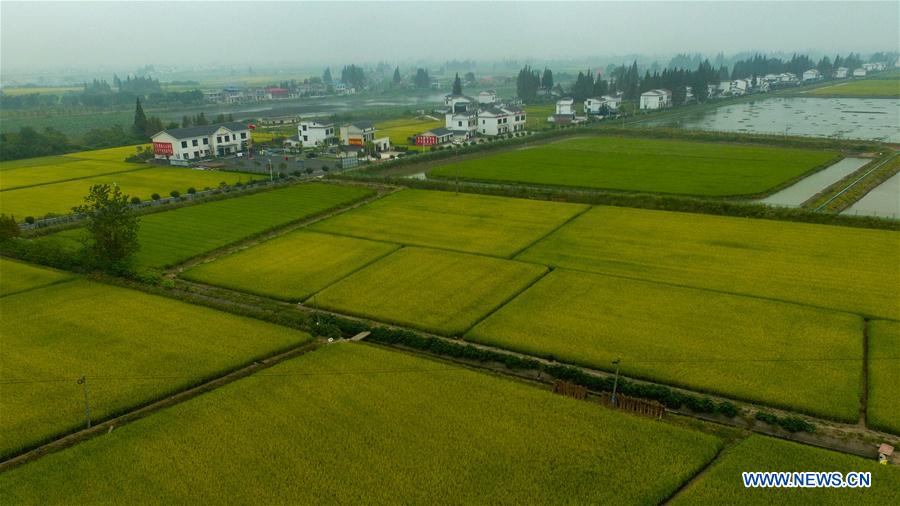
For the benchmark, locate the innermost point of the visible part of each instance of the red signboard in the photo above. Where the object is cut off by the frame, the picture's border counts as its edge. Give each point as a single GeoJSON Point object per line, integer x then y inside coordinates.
{"type": "Point", "coordinates": [426, 140]}
{"type": "Point", "coordinates": [163, 148]}
{"type": "Point", "coordinates": [355, 141]}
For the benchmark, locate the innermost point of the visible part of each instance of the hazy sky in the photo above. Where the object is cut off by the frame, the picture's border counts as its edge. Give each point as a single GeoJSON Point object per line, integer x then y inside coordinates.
{"type": "Point", "coordinates": [91, 34]}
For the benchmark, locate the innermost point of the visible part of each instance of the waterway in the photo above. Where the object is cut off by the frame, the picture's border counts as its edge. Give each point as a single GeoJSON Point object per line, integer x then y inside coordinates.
{"type": "Point", "coordinates": [808, 187]}
{"type": "Point", "coordinates": [883, 200]}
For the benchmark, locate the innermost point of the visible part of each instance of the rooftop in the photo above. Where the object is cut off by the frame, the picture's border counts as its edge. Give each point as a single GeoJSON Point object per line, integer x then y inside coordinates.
{"type": "Point", "coordinates": [203, 130]}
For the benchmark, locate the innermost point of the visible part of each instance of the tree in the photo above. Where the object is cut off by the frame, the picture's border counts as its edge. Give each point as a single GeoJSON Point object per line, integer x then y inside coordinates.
{"type": "Point", "coordinates": [200, 119]}
{"type": "Point", "coordinates": [397, 78]}
{"type": "Point", "coordinates": [112, 227]}
{"type": "Point", "coordinates": [185, 121]}
{"type": "Point", "coordinates": [422, 81]}
{"type": "Point", "coordinates": [326, 77]}
{"type": "Point", "coordinates": [140, 119]}
{"type": "Point", "coordinates": [547, 79]}
{"type": "Point", "coordinates": [457, 85]}
{"type": "Point", "coordinates": [8, 227]}
{"type": "Point", "coordinates": [470, 78]}
{"type": "Point", "coordinates": [527, 83]}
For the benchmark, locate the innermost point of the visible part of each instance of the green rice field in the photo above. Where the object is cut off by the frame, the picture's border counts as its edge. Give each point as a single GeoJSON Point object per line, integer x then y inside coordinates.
{"type": "Point", "coordinates": [291, 267]}
{"type": "Point", "coordinates": [848, 269]}
{"type": "Point", "coordinates": [132, 347]}
{"type": "Point", "coordinates": [49, 169]}
{"type": "Point", "coordinates": [433, 290]}
{"type": "Point", "coordinates": [722, 484]}
{"type": "Point", "coordinates": [351, 424]}
{"type": "Point", "coordinates": [171, 237]}
{"type": "Point", "coordinates": [736, 346]}
{"type": "Point", "coordinates": [876, 88]}
{"type": "Point", "coordinates": [60, 197]}
{"type": "Point", "coordinates": [883, 408]}
{"type": "Point", "coordinates": [470, 223]}
{"type": "Point", "coordinates": [645, 165]}
{"type": "Point", "coordinates": [18, 277]}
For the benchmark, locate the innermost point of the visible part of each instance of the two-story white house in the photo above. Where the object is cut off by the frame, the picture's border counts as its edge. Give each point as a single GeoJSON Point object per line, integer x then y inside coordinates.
{"type": "Point", "coordinates": [656, 99]}
{"type": "Point", "coordinates": [841, 73]}
{"type": "Point", "coordinates": [314, 133]}
{"type": "Point", "coordinates": [203, 141]}
{"type": "Point", "coordinates": [502, 120]}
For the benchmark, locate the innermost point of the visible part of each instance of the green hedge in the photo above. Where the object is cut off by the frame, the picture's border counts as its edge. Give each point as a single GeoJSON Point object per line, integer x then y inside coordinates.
{"type": "Point", "coordinates": [789, 423]}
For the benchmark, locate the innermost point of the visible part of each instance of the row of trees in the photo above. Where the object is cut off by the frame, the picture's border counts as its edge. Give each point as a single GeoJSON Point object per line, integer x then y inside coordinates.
{"type": "Point", "coordinates": [760, 65]}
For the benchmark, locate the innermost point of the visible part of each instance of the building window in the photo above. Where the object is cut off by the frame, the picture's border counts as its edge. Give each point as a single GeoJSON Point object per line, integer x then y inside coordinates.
{"type": "Point", "coordinates": [194, 142]}
{"type": "Point", "coordinates": [243, 135]}
{"type": "Point", "coordinates": [460, 123]}
{"type": "Point", "coordinates": [219, 139]}
{"type": "Point", "coordinates": [184, 144]}
{"type": "Point", "coordinates": [227, 138]}
{"type": "Point", "coordinates": [305, 139]}
{"type": "Point", "coordinates": [304, 128]}
{"type": "Point", "coordinates": [206, 141]}
{"type": "Point", "coordinates": [196, 154]}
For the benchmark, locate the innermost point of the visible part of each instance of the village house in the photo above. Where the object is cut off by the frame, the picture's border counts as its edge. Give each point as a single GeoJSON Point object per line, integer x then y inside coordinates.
{"type": "Point", "coordinates": [278, 120]}
{"type": "Point", "coordinates": [201, 141]}
{"type": "Point", "coordinates": [811, 75]}
{"type": "Point", "coordinates": [502, 120]}
{"type": "Point", "coordinates": [841, 73]}
{"type": "Point", "coordinates": [565, 112]}
{"type": "Point", "coordinates": [461, 117]}
{"type": "Point", "coordinates": [860, 72]}
{"type": "Point", "coordinates": [602, 105]}
{"type": "Point", "coordinates": [315, 133]}
{"type": "Point", "coordinates": [434, 137]}
{"type": "Point", "coordinates": [656, 99]}
{"type": "Point", "coordinates": [358, 133]}
{"type": "Point", "coordinates": [487, 97]}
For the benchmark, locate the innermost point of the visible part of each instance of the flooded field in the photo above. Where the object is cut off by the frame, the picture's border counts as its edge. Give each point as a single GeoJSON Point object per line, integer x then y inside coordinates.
{"type": "Point", "coordinates": [847, 118]}
{"type": "Point", "coordinates": [806, 188]}
{"type": "Point", "coordinates": [882, 201]}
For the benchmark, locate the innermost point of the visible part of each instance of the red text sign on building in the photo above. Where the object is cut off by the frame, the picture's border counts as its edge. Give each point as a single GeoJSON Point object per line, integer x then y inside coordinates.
{"type": "Point", "coordinates": [163, 148]}
{"type": "Point", "coordinates": [426, 140]}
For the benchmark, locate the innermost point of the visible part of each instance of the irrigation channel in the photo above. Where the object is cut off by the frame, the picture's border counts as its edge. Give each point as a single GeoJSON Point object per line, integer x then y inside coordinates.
{"type": "Point", "coordinates": [883, 200]}
{"type": "Point", "coordinates": [808, 187]}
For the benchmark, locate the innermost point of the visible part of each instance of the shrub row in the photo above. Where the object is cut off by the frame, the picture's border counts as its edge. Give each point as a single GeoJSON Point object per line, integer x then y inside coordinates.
{"type": "Point", "coordinates": [789, 423]}
{"type": "Point", "coordinates": [442, 347]}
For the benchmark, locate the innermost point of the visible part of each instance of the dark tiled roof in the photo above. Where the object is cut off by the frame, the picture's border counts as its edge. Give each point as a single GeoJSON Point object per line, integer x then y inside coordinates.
{"type": "Point", "coordinates": [200, 131]}
{"type": "Point", "coordinates": [440, 132]}
{"type": "Point", "coordinates": [363, 125]}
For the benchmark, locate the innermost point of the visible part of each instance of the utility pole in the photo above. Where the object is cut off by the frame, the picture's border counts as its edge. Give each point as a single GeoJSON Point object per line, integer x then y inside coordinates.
{"type": "Point", "coordinates": [612, 399]}
{"type": "Point", "coordinates": [270, 169]}
{"type": "Point", "coordinates": [87, 405]}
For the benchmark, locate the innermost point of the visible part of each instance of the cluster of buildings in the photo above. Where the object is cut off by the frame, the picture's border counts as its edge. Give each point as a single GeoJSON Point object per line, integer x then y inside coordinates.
{"type": "Point", "coordinates": [239, 95]}
{"type": "Point", "coordinates": [467, 117]}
